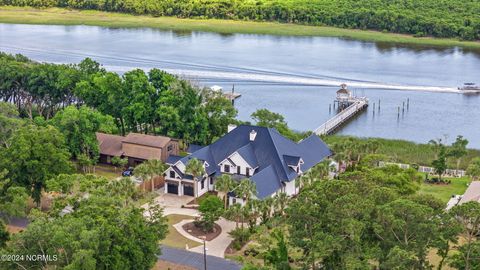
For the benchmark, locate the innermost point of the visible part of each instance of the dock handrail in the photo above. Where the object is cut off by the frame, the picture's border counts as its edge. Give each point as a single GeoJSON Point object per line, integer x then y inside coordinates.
{"type": "Point", "coordinates": [339, 118]}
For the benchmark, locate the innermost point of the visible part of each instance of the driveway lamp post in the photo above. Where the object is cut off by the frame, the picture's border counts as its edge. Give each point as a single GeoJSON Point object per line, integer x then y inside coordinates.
{"type": "Point", "coordinates": [204, 252]}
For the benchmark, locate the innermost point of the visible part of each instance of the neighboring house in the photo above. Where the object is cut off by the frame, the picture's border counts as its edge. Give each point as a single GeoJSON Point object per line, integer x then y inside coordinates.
{"type": "Point", "coordinates": [471, 194]}
{"type": "Point", "coordinates": [270, 160]}
{"type": "Point", "coordinates": [136, 147]}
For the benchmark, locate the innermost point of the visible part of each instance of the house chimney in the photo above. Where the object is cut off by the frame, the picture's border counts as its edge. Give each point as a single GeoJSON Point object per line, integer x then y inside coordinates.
{"type": "Point", "coordinates": [231, 127]}
{"type": "Point", "coordinates": [253, 134]}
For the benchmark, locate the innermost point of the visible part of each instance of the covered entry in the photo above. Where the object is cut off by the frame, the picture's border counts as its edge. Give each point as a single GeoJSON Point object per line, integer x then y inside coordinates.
{"type": "Point", "coordinates": [172, 188]}
{"type": "Point", "coordinates": [188, 190]}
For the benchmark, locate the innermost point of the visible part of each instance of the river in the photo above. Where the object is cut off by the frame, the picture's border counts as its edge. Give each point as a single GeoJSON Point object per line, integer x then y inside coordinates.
{"type": "Point", "coordinates": [294, 76]}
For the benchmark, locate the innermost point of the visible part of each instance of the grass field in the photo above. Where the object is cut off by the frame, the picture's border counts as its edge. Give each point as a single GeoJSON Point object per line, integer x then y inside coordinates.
{"type": "Point", "coordinates": [445, 192]}
{"type": "Point", "coordinates": [60, 16]}
{"type": "Point", "coordinates": [174, 238]}
{"type": "Point", "coordinates": [107, 171]}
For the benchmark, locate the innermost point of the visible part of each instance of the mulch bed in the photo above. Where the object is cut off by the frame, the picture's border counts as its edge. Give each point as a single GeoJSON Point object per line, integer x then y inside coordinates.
{"type": "Point", "coordinates": [230, 250]}
{"type": "Point", "coordinates": [198, 232]}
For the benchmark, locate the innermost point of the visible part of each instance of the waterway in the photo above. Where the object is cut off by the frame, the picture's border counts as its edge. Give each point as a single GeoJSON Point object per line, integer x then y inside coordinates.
{"type": "Point", "coordinates": [294, 76]}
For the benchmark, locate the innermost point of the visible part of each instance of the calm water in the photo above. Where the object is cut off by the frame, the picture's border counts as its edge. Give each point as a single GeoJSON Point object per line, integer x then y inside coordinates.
{"type": "Point", "coordinates": [294, 76]}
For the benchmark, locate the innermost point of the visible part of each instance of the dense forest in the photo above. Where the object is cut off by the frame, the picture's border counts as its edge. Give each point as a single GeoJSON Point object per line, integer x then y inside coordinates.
{"type": "Point", "coordinates": [443, 18]}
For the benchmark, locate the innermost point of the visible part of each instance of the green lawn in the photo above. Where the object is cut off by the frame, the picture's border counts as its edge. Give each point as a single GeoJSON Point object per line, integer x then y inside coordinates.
{"type": "Point", "coordinates": [107, 171]}
{"type": "Point", "coordinates": [61, 16]}
{"type": "Point", "coordinates": [445, 192]}
{"type": "Point", "coordinates": [174, 238]}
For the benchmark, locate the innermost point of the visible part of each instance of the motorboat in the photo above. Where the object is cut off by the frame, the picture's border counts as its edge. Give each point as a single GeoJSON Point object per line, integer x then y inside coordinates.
{"type": "Point", "coordinates": [468, 88]}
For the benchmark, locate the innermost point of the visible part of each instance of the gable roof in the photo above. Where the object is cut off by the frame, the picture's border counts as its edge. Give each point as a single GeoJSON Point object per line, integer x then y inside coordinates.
{"type": "Point", "coordinates": [472, 193]}
{"type": "Point", "coordinates": [268, 150]}
{"type": "Point", "coordinates": [147, 140]}
{"type": "Point", "coordinates": [172, 159]}
{"type": "Point", "coordinates": [248, 154]}
{"type": "Point", "coordinates": [266, 182]}
{"type": "Point", "coordinates": [110, 145]}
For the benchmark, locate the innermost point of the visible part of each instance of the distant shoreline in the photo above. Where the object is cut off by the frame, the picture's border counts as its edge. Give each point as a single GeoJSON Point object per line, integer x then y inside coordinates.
{"type": "Point", "coordinates": [59, 16]}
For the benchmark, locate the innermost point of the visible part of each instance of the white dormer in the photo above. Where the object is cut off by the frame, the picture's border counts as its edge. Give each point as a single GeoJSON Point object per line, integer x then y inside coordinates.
{"type": "Point", "coordinates": [253, 134]}
{"type": "Point", "coordinates": [236, 164]}
{"type": "Point", "coordinates": [297, 166]}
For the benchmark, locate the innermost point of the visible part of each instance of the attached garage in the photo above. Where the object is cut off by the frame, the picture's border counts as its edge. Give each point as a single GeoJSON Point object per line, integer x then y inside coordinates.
{"type": "Point", "coordinates": [188, 190]}
{"type": "Point", "coordinates": [172, 188]}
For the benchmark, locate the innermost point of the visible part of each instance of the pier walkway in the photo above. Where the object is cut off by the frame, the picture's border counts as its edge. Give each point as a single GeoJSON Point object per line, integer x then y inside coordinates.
{"type": "Point", "coordinates": [357, 105]}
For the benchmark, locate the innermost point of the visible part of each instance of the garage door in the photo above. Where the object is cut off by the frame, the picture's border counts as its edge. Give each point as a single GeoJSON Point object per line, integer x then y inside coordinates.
{"type": "Point", "coordinates": [188, 190]}
{"type": "Point", "coordinates": [172, 188]}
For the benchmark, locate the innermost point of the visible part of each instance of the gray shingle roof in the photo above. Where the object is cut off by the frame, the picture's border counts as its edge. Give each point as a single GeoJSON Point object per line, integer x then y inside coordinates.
{"type": "Point", "coordinates": [193, 148]}
{"type": "Point", "coordinates": [172, 159]}
{"type": "Point", "coordinates": [291, 160]}
{"type": "Point", "coordinates": [248, 155]}
{"type": "Point", "coordinates": [266, 182]}
{"type": "Point", "coordinates": [269, 150]}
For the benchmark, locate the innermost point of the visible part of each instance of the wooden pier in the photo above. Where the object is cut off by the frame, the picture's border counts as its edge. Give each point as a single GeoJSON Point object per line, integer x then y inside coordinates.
{"type": "Point", "coordinates": [348, 106]}
{"type": "Point", "coordinates": [232, 96]}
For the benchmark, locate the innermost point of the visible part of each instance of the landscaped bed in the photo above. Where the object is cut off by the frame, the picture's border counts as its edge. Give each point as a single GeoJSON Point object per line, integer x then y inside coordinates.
{"type": "Point", "coordinates": [199, 233]}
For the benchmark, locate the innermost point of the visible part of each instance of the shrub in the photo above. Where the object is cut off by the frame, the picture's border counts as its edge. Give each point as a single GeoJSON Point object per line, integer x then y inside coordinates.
{"type": "Point", "coordinates": [211, 208]}
{"type": "Point", "coordinates": [240, 237]}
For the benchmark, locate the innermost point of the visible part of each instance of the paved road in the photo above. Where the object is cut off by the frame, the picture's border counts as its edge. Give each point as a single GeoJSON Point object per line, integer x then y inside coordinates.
{"type": "Point", "coordinates": [195, 260]}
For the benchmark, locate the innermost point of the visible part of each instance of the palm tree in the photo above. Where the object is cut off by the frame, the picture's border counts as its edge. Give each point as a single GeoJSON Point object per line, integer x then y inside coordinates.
{"type": "Point", "coordinates": [225, 184]}
{"type": "Point", "coordinates": [265, 208]}
{"type": "Point", "coordinates": [150, 169]}
{"type": "Point", "coordinates": [144, 172]}
{"type": "Point", "coordinates": [281, 200]}
{"type": "Point", "coordinates": [251, 212]}
{"type": "Point", "coordinates": [125, 188]}
{"type": "Point", "coordinates": [195, 168]}
{"type": "Point", "coordinates": [234, 212]}
{"type": "Point", "coordinates": [157, 168]}
{"type": "Point", "coordinates": [245, 189]}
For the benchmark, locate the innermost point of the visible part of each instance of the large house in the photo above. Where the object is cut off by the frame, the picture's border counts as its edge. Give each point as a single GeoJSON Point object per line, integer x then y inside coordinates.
{"type": "Point", "coordinates": [136, 147]}
{"type": "Point", "coordinates": [261, 154]}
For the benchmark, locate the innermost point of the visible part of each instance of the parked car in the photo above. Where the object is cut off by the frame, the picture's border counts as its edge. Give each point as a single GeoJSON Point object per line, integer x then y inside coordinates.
{"type": "Point", "coordinates": [128, 172]}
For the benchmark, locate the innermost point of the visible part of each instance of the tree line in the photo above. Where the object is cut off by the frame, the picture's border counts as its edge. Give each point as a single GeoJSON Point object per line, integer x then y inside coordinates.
{"type": "Point", "coordinates": [155, 102]}
{"type": "Point", "coordinates": [444, 18]}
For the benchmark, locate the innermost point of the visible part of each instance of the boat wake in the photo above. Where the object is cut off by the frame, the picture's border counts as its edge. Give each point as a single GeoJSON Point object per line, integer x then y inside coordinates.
{"type": "Point", "coordinates": [201, 75]}
{"type": "Point", "coordinates": [227, 74]}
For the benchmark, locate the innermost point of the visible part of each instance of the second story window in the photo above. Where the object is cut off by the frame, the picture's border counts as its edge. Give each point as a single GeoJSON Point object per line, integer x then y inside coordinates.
{"type": "Point", "coordinates": [248, 172]}
{"type": "Point", "coordinates": [226, 168]}
{"type": "Point", "coordinates": [169, 148]}
{"type": "Point", "coordinates": [239, 170]}
{"type": "Point", "coordinates": [172, 174]}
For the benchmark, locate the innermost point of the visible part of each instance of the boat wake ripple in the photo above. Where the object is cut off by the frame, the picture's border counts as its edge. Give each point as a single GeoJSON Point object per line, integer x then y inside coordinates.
{"type": "Point", "coordinates": [201, 72]}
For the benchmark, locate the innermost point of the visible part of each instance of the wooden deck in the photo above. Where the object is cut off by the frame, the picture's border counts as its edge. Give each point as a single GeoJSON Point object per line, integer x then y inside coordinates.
{"type": "Point", "coordinates": [358, 105]}
{"type": "Point", "coordinates": [232, 96]}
